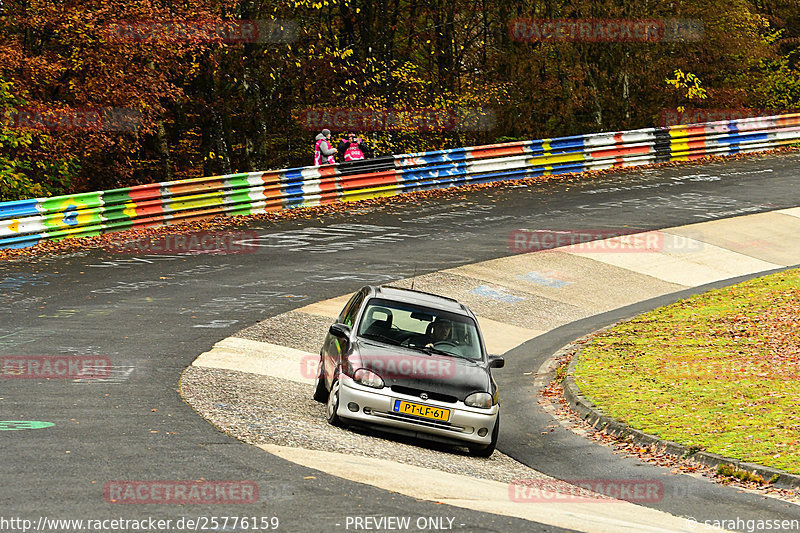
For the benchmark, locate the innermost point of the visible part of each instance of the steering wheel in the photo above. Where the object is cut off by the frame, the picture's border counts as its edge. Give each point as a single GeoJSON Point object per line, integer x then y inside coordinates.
{"type": "Point", "coordinates": [445, 343]}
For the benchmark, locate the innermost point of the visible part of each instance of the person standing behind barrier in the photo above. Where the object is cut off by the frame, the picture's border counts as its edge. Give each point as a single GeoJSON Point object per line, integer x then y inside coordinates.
{"type": "Point", "coordinates": [323, 150]}
{"type": "Point", "coordinates": [353, 147]}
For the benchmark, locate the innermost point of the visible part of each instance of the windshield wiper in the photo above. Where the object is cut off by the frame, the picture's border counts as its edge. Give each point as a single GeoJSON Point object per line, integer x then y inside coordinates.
{"type": "Point", "coordinates": [430, 349]}
{"type": "Point", "coordinates": [426, 351]}
{"type": "Point", "coordinates": [381, 338]}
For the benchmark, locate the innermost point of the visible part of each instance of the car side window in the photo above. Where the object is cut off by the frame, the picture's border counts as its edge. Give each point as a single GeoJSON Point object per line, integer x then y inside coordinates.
{"type": "Point", "coordinates": [350, 311]}
{"type": "Point", "coordinates": [347, 307]}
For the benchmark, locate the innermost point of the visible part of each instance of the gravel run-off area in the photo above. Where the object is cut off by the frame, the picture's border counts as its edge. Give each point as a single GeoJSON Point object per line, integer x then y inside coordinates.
{"type": "Point", "coordinates": [265, 410]}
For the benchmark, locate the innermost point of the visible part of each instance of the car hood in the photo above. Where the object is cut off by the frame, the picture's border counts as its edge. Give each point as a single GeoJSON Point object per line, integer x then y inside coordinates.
{"type": "Point", "coordinates": [434, 374]}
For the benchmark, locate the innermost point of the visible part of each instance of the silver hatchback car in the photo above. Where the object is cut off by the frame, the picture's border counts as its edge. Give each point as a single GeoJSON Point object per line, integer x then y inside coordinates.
{"type": "Point", "coordinates": [412, 363]}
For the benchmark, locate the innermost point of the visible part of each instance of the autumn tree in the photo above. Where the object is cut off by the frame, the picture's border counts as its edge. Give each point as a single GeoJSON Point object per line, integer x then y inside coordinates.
{"type": "Point", "coordinates": [190, 104]}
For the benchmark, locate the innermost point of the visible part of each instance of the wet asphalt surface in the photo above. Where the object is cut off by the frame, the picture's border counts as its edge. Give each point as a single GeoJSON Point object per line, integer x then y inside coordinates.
{"type": "Point", "coordinates": [151, 315]}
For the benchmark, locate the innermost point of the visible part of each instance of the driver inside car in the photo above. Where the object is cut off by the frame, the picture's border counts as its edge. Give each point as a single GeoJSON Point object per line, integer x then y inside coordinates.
{"type": "Point", "coordinates": [439, 330]}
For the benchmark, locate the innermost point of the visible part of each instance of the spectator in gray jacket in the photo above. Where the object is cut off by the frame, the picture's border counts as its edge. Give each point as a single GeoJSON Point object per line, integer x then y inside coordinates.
{"type": "Point", "coordinates": [323, 150]}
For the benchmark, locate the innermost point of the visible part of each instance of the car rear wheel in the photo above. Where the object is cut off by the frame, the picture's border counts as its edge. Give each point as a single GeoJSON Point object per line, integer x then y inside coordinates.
{"type": "Point", "coordinates": [333, 405]}
{"type": "Point", "coordinates": [488, 450]}
{"type": "Point", "coordinates": [320, 392]}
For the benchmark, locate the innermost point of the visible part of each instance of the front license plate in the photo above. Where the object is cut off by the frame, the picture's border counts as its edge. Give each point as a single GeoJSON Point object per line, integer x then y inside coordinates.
{"type": "Point", "coordinates": [417, 409]}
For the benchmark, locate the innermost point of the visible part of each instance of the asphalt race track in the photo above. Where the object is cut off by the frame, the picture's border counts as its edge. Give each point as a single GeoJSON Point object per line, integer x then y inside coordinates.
{"type": "Point", "coordinates": [151, 315]}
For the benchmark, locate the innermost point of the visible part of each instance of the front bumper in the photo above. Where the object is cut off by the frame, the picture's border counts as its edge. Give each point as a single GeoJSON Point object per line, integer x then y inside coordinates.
{"type": "Point", "coordinates": [375, 408]}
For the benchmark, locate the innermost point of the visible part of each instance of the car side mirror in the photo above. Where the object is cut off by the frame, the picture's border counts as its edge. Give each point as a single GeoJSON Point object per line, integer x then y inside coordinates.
{"type": "Point", "coordinates": [496, 361]}
{"type": "Point", "coordinates": [340, 330]}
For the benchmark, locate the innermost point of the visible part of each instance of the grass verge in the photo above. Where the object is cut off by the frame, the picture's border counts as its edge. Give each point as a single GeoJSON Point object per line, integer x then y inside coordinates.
{"type": "Point", "coordinates": [719, 371]}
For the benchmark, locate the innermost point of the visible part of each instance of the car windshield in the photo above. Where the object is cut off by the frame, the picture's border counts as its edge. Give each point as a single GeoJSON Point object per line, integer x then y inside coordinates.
{"type": "Point", "coordinates": [422, 328]}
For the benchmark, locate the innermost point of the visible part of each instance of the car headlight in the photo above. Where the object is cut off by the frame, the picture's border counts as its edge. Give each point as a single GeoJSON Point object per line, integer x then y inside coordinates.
{"type": "Point", "coordinates": [368, 378]}
{"type": "Point", "coordinates": [479, 399]}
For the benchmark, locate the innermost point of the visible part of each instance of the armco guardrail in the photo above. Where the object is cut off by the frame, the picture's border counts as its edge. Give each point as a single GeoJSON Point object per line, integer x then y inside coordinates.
{"type": "Point", "coordinates": [26, 222]}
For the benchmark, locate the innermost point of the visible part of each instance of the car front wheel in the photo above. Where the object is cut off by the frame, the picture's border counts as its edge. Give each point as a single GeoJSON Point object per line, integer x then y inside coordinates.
{"type": "Point", "coordinates": [320, 392]}
{"type": "Point", "coordinates": [333, 405]}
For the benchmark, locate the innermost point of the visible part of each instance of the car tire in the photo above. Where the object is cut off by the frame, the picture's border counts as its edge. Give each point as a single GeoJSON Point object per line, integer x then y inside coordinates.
{"type": "Point", "coordinates": [488, 450]}
{"type": "Point", "coordinates": [320, 392]}
{"type": "Point", "coordinates": [332, 405]}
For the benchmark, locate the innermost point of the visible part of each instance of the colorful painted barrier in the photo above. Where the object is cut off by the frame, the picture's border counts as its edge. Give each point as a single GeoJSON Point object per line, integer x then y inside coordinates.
{"type": "Point", "coordinates": [26, 222]}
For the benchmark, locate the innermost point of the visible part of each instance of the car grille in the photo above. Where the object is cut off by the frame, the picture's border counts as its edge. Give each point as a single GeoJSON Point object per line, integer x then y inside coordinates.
{"type": "Point", "coordinates": [410, 391]}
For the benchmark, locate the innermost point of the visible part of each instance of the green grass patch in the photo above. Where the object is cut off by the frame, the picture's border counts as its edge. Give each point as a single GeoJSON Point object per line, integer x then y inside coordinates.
{"type": "Point", "coordinates": [731, 472]}
{"type": "Point", "coordinates": [719, 371]}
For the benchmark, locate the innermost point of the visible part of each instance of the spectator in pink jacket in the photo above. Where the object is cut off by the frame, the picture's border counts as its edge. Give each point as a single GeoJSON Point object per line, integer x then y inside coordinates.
{"type": "Point", "coordinates": [323, 150]}
{"type": "Point", "coordinates": [353, 148]}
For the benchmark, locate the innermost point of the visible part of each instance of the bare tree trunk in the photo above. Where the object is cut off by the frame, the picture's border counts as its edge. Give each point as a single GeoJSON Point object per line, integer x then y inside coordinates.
{"type": "Point", "coordinates": [162, 148]}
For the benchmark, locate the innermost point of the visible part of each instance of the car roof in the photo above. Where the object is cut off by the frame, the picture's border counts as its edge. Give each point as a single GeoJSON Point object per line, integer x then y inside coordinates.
{"type": "Point", "coordinates": [421, 298]}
